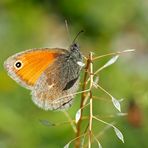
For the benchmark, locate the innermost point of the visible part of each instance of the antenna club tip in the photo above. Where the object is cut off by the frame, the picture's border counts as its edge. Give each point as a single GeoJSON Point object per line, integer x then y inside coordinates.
{"type": "Point", "coordinates": [82, 31]}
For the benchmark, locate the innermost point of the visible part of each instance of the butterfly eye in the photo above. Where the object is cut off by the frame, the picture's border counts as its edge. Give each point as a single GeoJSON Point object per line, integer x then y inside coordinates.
{"type": "Point", "coordinates": [18, 64]}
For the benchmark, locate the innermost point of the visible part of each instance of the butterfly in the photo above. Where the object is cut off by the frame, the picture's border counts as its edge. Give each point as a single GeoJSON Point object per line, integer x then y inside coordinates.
{"type": "Point", "coordinates": [52, 74]}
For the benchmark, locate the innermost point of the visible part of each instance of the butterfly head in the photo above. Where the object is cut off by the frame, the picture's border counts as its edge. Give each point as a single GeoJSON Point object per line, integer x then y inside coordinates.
{"type": "Point", "coordinates": [74, 47]}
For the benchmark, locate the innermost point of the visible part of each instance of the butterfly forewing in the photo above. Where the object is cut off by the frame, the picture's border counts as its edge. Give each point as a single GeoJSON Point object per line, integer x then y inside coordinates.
{"type": "Point", "coordinates": [34, 63]}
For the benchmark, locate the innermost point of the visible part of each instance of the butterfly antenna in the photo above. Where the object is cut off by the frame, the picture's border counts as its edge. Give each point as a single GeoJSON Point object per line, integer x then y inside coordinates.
{"type": "Point", "coordinates": [77, 36]}
{"type": "Point", "coordinates": [67, 29]}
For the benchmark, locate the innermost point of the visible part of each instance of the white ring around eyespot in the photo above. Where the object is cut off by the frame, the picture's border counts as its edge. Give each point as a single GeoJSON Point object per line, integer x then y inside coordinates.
{"type": "Point", "coordinates": [20, 66]}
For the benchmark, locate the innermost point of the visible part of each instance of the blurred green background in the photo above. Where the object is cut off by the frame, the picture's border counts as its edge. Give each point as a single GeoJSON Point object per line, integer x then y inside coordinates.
{"type": "Point", "coordinates": [109, 26]}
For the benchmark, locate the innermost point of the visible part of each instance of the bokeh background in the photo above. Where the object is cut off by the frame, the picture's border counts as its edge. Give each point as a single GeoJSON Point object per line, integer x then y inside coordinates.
{"type": "Point", "coordinates": [109, 26]}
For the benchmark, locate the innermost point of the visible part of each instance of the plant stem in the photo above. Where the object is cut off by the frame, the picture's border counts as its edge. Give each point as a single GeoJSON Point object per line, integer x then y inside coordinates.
{"type": "Point", "coordinates": [91, 104]}
{"type": "Point", "coordinates": [114, 53]}
{"type": "Point", "coordinates": [70, 121]}
{"type": "Point", "coordinates": [77, 143]}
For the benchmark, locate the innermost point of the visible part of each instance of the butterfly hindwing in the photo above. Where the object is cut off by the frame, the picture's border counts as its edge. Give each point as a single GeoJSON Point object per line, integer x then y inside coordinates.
{"type": "Point", "coordinates": [54, 88]}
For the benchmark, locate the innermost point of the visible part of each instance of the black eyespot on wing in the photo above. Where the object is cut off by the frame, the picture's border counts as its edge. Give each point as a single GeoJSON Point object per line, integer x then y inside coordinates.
{"type": "Point", "coordinates": [70, 84]}
{"type": "Point", "coordinates": [18, 64]}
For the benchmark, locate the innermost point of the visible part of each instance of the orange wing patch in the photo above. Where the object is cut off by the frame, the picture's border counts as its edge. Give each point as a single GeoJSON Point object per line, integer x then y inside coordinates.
{"type": "Point", "coordinates": [34, 64]}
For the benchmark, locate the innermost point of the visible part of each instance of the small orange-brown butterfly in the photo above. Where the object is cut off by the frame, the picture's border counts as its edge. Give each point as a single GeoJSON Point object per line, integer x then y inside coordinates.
{"type": "Point", "coordinates": [52, 74]}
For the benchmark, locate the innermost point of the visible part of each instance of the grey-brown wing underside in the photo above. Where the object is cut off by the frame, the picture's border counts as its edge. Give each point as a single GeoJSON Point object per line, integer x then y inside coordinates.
{"type": "Point", "coordinates": [52, 91]}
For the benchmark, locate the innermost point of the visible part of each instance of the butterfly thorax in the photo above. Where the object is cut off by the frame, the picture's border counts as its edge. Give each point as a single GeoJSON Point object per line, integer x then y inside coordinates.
{"type": "Point", "coordinates": [75, 53]}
